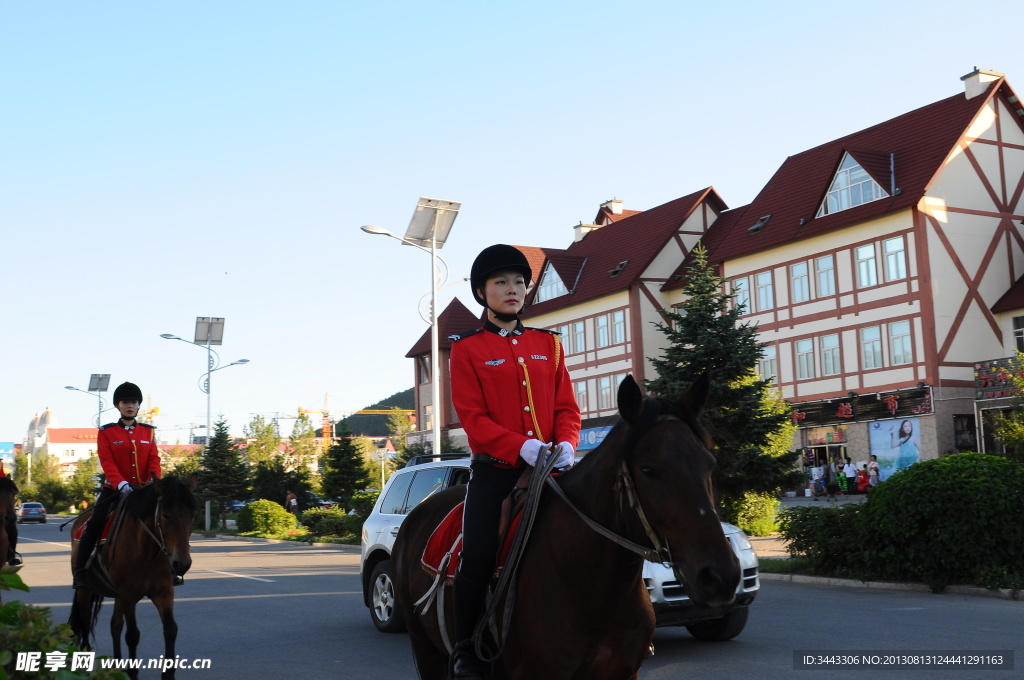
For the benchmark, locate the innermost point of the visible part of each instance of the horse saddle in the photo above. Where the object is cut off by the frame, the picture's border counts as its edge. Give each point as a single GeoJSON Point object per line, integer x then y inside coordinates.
{"type": "Point", "coordinates": [442, 552]}
{"type": "Point", "coordinates": [77, 535]}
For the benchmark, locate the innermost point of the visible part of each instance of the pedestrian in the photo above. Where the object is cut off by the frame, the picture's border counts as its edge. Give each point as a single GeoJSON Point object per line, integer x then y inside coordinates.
{"type": "Point", "coordinates": [291, 503]}
{"type": "Point", "coordinates": [11, 525]}
{"type": "Point", "coordinates": [129, 457]}
{"type": "Point", "coordinates": [514, 399]}
{"type": "Point", "coordinates": [850, 470]}
{"type": "Point", "coordinates": [874, 471]}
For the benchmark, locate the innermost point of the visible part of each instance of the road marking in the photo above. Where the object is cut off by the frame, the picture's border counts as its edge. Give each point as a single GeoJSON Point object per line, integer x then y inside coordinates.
{"type": "Point", "coordinates": [228, 573]}
{"type": "Point", "coordinates": [904, 609]}
{"type": "Point", "coordinates": [36, 540]}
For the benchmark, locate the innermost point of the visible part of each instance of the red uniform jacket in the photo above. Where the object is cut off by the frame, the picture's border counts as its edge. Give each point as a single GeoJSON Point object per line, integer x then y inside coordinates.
{"type": "Point", "coordinates": [506, 385]}
{"type": "Point", "coordinates": [128, 455]}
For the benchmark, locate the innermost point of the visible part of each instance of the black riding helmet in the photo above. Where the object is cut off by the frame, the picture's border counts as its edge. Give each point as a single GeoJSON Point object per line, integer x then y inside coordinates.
{"type": "Point", "coordinates": [127, 392]}
{"type": "Point", "coordinates": [499, 257]}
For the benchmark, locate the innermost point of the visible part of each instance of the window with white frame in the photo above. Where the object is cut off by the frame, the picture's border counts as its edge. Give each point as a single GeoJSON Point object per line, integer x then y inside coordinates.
{"type": "Point", "coordinates": [603, 336]}
{"type": "Point", "coordinates": [866, 272]}
{"type": "Point", "coordinates": [800, 282]}
{"type": "Point", "coordinates": [804, 359]}
{"type": "Point", "coordinates": [551, 285]}
{"type": "Point", "coordinates": [604, 393]}
{"type": "Point", "coordinates": [830, 354]}
{"type": "Point", "coordinates": [741, 291]}
{"type": "Point", "coordinates": [767, 365]}
{"type": "Point", "coordinates": [871, 347]}
{"type": "Point", "coordinates": [581, 395]}
{"type": "Point", "coordinates": [824, 270]}
{"type": "Point", "coordinates": [1018, 332]}
{"type": "Point", "coordinates": [579, 337]}
{"type": "Point", "coordinates": [900, 348]}
{"type": "Point", "coordinates": [765, 293]}
{"type": "Point", "coordinates": [850, 187]}
{"type": "Point", "coordinates": [618, 320]}
{"type": "Point", "coordinates": [895, 259]}
{"type": "Point", "coordinates": [572, 337]}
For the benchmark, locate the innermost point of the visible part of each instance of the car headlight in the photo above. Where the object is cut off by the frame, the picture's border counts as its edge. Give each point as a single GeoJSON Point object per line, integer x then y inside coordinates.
{"type": "Point", "coordinates": [740, 540]}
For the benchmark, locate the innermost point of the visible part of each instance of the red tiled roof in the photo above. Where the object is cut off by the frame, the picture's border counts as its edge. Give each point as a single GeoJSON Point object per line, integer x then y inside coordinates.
{"type": "Point", "coordinates": [535, 256]}
{"type": "Point", "coordinates": [586, 266]}
{"type": "Point", "coordinates": [919, 140]}
{"type": "Point", "coordinates": [72, 435]}
{"type": "Point", "coordinates": [455, 318]}
{"type": "Point", "coordinates": [1012, 299]}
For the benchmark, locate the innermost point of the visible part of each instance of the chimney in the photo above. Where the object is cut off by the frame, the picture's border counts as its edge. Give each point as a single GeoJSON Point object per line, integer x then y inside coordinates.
{"type": "Point", "coordinates": [615, 205]}
{"type": "Point", "coordinates": [581, 230]}
{"type": "Point", "coordinates": [976, 82]}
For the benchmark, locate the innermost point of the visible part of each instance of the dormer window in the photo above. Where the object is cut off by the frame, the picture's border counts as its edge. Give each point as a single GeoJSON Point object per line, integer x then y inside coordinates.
{"type": "Point", "coordinates": [550, 285]}
{"type": "Point", "coordinates": [759, 225]}
{"type": "Point", "coordinates": [618, 268]}
{"type": "Point", "coordinates": [851, 186]}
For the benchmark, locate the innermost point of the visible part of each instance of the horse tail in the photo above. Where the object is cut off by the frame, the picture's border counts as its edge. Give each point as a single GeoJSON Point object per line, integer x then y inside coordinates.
{"type": "Point", "coordinates": [84, 614]}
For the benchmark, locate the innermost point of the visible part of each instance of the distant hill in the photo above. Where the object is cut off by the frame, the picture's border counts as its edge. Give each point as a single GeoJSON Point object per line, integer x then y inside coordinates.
{"type": "Point", "coordinates": [377, 425]}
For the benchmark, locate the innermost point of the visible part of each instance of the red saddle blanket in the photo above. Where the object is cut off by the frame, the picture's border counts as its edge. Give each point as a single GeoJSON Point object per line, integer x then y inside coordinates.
{"type": "Point", "coordinates": [445, 544]}
{"type": "Point", "coordinates": [106, 527]}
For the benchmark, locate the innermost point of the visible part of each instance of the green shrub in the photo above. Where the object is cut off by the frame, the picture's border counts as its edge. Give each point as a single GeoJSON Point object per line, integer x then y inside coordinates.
{"type": "Point", "coordinates": [331, 522]}
{"type": "Point", "coordinates": [363, 501]}
{"type": "Point", "coordinates": [265, 517]}
{"type": "Point", "coordinates": [25, 628]}
{"type": "Point", "coordinates": [956, 519]}
{"type": "Point", "coordinates": [755, 513]}
{"type": "Point", "coordinates": [825, 537]}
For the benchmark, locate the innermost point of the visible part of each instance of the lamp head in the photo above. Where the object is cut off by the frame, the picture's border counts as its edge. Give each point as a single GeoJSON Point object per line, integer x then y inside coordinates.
{"type": "Point", "coordinates": [169, 336]}
{"type": "Point", "coordinates": [374, 229]}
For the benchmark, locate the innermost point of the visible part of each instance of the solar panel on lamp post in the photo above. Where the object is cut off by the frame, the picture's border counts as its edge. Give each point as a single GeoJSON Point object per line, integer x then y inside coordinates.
{"type": "Point", "coordinates": [428, 230]}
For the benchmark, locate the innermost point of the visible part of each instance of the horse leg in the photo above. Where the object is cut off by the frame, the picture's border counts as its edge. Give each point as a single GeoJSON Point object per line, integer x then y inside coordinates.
{"type": "Point", "coordinates": [165, 605]}
{"type": "Point", "coordinates": [431, 662]}
{"type": "Point", "coordinates": [131, 636]}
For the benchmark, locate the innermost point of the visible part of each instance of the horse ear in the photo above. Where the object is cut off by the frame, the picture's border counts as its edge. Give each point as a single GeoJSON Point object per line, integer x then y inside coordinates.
{"type": "Point", "coordinates": [631, 399]}
{"type": "Point", "coordinates": [192, 479]}
{"type": "Point", "coordinates": [696, 396]}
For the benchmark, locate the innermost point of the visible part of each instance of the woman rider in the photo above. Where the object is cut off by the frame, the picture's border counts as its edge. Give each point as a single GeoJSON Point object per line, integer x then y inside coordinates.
{"type": "Point", "coordinates": [514, 399]}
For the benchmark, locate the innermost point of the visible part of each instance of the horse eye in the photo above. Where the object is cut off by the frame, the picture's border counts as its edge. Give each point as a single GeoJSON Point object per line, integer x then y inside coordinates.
{"type": "Point", "coordinates": [648, 471]}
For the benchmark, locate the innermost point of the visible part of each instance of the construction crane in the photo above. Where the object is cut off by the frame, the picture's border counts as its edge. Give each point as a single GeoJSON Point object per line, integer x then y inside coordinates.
{"type": "Point", "coordinates": [380, 411]}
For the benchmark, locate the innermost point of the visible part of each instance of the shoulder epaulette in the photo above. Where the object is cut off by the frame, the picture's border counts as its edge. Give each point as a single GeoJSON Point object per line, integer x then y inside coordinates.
{"type": "Point", "coordinates": [455, 337]}
{"type": "Point", "coordinates": [108, 425]}
{"type": "Point", "coordinates": [546, 330]}
{"type": "Point", "coordinates": [149, 425]}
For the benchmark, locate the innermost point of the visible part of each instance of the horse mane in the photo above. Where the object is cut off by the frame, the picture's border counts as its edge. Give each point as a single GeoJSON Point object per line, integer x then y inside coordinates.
{"type": "Point", "coordinates": [7, 485]}
{"type": "Point", "coordinates": [141, 503]}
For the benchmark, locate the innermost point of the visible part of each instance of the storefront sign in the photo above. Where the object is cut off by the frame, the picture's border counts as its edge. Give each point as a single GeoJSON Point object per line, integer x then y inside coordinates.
{"type": "Point", "coordinates": [856, 408]}
{"type": "Point", "coordinates": [992, 379]}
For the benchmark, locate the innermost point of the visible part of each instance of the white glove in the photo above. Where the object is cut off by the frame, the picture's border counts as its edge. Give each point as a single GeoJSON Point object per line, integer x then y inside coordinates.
{"type": "Point", "coordinates": [124, 487]}
{"type": "Point", "coordinates": [566, 456]}
{"type": "Point", "coordinates": [531, 451]}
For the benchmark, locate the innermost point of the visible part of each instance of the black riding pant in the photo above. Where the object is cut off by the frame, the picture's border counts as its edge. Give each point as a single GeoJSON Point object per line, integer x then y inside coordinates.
{"type": "Point", "coordinates": [488, 486]}
{"type": "Point", "coordinates": [11, 524]}
{"type": "Point", "coordinates": [94, 527]}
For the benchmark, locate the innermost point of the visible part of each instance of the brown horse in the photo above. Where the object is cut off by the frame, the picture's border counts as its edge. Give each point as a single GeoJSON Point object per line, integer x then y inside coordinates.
{"type": "Point", "coordinates": [581, 610]}
{"type": "Point", "coordinates": [8, 490]}
{"type": "Point", "coordinates": [147, 549]}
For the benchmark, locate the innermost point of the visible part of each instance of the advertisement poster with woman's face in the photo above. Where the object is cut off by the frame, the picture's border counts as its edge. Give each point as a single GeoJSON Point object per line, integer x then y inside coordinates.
{"type": "Point", "coordinates": [896, 443]}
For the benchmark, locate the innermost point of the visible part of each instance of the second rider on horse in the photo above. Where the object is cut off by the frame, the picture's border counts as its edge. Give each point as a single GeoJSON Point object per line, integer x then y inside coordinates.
{"type": "Point", "coordinates": [129, 457]}
{"type": "Point", "coordinates": [514, 399]}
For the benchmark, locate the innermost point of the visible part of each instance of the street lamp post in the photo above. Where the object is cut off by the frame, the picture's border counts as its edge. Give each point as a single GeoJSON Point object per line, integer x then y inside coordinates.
{"type": "Point", "coordinates": [98, 384]}
{"type": "Point", "coordinates": [428, 230]}
{"type": "Point", "coordinates": [209, 332]}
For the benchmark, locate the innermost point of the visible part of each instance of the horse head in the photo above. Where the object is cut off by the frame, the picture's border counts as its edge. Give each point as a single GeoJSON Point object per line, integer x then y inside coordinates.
{"type": "Point", "coordinates": [168, 506]}
{"type": "Point", "coordinates": [668, 463]}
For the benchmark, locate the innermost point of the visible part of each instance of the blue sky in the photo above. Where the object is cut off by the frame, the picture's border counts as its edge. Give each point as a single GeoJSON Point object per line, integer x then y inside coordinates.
{"type": "Point", "coordinates": [167, 161]}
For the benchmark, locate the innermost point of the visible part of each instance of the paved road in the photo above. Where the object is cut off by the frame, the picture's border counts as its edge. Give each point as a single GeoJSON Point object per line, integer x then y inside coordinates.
{"type": "Point", "coordinates": [273, 610]}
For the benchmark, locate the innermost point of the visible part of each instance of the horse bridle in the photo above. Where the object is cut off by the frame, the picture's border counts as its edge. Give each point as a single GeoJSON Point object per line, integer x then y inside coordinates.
{"type": "Point", "coordinates": [160, 542]}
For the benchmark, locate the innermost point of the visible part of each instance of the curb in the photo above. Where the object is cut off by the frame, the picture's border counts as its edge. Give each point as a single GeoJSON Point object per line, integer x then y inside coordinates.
{"type": "Point", "coordinates": [258, 539]}
{"type": "Point", "coordinates": [974, 591]}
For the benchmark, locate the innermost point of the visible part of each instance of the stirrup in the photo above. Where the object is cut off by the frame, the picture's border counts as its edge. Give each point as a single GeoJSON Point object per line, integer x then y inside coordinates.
{"type": "Point", "coordinates": [466, 665]}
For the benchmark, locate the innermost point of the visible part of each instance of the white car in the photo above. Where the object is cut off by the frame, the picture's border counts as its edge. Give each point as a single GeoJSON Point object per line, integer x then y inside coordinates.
{"type": "Point", "coordinates": [408, 487]}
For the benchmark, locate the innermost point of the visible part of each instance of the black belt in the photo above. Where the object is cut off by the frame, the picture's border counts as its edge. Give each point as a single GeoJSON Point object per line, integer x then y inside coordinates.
{"type": "Point", "coordinates": [484, 458]}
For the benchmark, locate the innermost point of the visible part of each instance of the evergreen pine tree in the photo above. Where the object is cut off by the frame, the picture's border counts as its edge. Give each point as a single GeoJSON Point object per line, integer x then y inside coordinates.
{"type": "Point", "coordinates": [224, 475]}
{"type": "Point", "coordinates": [743, 414]}
{"type": "Point", "coordinates": [343, 472]}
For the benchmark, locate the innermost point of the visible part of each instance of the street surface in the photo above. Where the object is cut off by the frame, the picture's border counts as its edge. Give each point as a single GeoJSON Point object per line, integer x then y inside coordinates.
{"type": "Point", "coordinates": [284, 610]}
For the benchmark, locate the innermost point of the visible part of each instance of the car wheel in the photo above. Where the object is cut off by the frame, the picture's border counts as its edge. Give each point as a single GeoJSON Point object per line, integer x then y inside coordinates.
{"type": "Point", "coordinates": [720, 630]}
{"type": "Point", "coordinates": [43, 521]}
{"type": "Point", "coordinates": [383, 609]}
